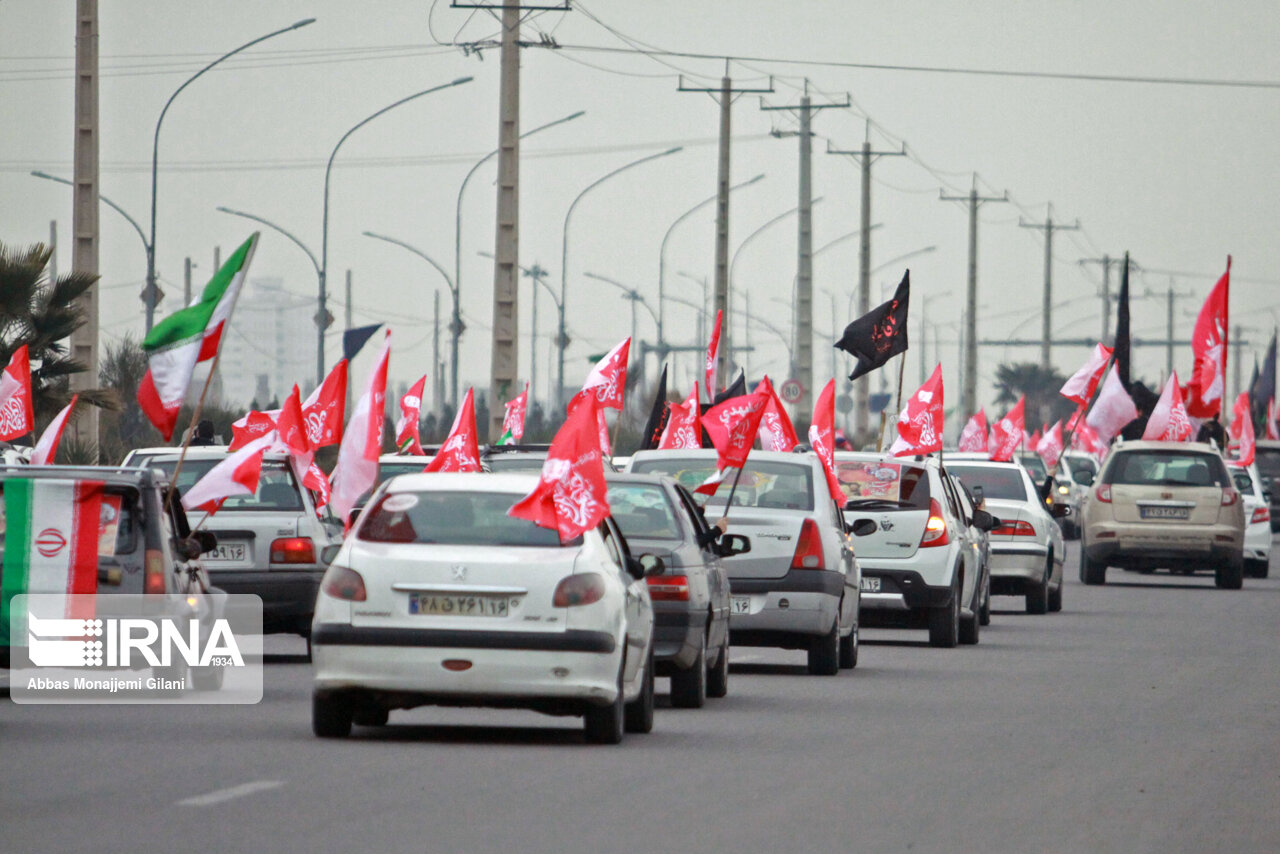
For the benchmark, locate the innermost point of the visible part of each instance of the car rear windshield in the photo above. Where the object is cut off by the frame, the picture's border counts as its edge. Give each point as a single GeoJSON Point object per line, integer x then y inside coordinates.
{"type": "Point", "coordinates": [454, 518]}
{"type": "Point", "coordinates": [1034, 465]}
{"type": "Point", "coordinates": [774, 485]}
{"type": "Point", "coordinates": [515, 462]}
{"type": "Point", "coordinates": [1000, 482]}
{"type": "Point", "coordinates": [386, 471]}
{"type": "Point", "coordinates": [642, 510]}
{"type": "Point", "coordinates": [1079, 465]}
{"type": "Point", "coordinates": [868, 483]}
{"type": "Point", "coordinates": [1167, 468]}
{"type": "Point", "coordinates": [277, 490]}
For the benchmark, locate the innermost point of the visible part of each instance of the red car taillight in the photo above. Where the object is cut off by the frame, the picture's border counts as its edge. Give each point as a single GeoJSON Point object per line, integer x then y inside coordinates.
{"type": "Point", "coordinates": [1229, 497]}
{"type": "Point", "coordinates": [1019, 528]}
{"type": "Point", "coordinates": [579, 590]}
{"type": "Point", "coordinates": [1262, 514]}
{"type": "Point", "coordinates": [1103, 493]}
{"type": "Point", "coordinates": [343, 583]}
{"type": "Point", "coordinates": [153, 579]}
{"type": "Point", "coordinates": [293, 550]}
{"type": "Point", "coordinates": [809, 547]}
{"type": "Point", "coordinates": [935, 530]}
{"type": "Point", "coordinates": [668, 588]}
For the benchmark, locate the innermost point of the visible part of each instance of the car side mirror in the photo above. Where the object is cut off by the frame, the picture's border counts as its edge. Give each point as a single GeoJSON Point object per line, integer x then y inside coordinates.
{"type": "Point", "coordinates": [733, 544]}
{"type": "Point", "coordinates": [1084, 478]}
{"type": "Point", "coordinates": [1058, 511]}
{"type": "Point", "coordinates": [353, 515]}
{"type": "Point", "coordinates": [978, 495]}
{"type": "Point", "coordinates": [651, 564]}
{"type": "Point", "coordinates": [983, 521]}
{"type": "Point", "coordinates": [635, 568]}
{"type": "Point", "coordinates": [862, 527]}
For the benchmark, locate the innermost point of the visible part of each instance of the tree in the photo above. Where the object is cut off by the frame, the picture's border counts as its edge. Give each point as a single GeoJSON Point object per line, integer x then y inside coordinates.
{"type": "Point", "coordinates": [1041, 387]}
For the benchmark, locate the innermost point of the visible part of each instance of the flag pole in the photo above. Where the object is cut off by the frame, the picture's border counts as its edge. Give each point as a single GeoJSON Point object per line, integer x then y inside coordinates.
{"type": "Point", "coordinates": [902, 366]}
{"type": "Point", "coordinates": [732, 490]}
{"type": "Point", "coordinates": [1066, 442]}
{"type": "Point", "coordinates": [191, 428]}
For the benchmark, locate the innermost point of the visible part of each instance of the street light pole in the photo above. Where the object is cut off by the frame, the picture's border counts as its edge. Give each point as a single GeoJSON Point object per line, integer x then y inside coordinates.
{"type": "Point", "coordinates": [269, 224]}
{"type": "Point", "coordinates": [632, 294]}
{"type": "Point", "coordinates": [133, 222]}
{"type": "Point", "coordinates": [149, 295]}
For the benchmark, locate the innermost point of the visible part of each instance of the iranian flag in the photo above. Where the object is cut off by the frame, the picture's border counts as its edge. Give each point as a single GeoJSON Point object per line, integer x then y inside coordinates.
{"type": "Point", "coordinates": [176, 344]}
{"type": "Point", "coordinates": [51, 540]}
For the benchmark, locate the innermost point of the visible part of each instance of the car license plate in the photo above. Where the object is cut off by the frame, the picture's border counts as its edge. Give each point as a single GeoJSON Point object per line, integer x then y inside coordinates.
{"type": "Point", "coordinates": [1159, 512]}
{"type": "Point", "coordinates": [739, 604]}
{"type": "Point", "coordinates": [870, 585]}
{"type": "Point", "coordinates": [228, 553]}
{"type": "Point", "coordinates": [436, 605]}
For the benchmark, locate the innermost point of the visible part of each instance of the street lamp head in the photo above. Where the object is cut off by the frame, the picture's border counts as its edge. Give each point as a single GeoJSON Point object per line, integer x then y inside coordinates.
{"type": "Point", "coordinates": [304, 22]}
{"type": "Point", "coordinates": [675, 150]}
{"type": "Point", "coordinates": [461, 80]}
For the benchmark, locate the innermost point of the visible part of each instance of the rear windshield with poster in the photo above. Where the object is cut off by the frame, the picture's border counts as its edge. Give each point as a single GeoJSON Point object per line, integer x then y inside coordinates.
{"type": "Point", "coordinates": [764, 484]}
{"type": "Point", "coordinates": [874, 481]}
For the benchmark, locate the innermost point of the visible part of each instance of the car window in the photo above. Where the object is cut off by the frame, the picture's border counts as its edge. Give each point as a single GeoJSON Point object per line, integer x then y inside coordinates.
{"type": "Point", "coordinates": [949, 491]}
{"type": "Point", "coordinates": [515, 462]}
{"type": "Point", "coordinates": [643, 510]}
{"type": "Point", "coordinates": [874, 479]}
{"type": "Point", "coordinates": [1000, 482]}
{"type": "Point", "coordinates": [1268, 460]}
{"type": "Point", "coordinates": [277, 490]}
{"type": "Point", "coordinates": [1033, 464]}
{"type": "Point", "coordinates": [962, 499]}
{"type": "Point", "coordinates": [691, 508]}
{"type": "Point", "coordinates": [1167, 468]}
{"type": "Point", "coordinates": [1079, 465]}
{"type": "Point", "coordinates": [764, 484]}
{"type": "Point", "coordinates": [454, 518]}
{"type": "Point", "coordinates": [1244, 483]}
{"type": "Point", "coordinates": [611, 544]}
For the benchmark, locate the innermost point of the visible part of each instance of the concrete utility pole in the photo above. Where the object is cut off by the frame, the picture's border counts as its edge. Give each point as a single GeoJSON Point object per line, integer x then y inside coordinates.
{"type": "Point", "coordinates": [724, 95]}
{"type": "Point", "coordinates": [861, 387]}
{"type": "Point", "coordinates": [1106, 261]}
{"type": "Point", "coordinates": [186, 281]}
{"type": "Point", "coordinates": [84, 211]}
{"type": "Point", "coordinates": [534, 274]}
{"type": "Point", "coordinates": [1046, 330]}
{"type": "Point", "coordinates": [969, 388]}
{"type": "Point", "coordinates": [349, 323]}
{"type": "Point", "coordinates": [436, 383]}
{"type": "Point", "coordinates": [804, 252]}
{"type": "Point", "coordinates": [53, 250]}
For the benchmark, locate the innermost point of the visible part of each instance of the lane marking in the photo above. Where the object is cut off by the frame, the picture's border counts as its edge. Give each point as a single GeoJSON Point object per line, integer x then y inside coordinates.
{"type": "Point", "coordinates": [231, 793]}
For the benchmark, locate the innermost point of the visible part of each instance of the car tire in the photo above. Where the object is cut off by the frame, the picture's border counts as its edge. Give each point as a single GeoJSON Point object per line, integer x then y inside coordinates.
{"type": "Point", "coordinates": [331, 715]}
{"type": "Point", "coordinates": [824, 652]}
{"type": "Point", "coordinates": [944, 623]}
{"type": "Point", "coordinates": [604, 724]}
{"type": "Point", "coordinates": [1038, 596]}
{"type": "Point", "coordinates": [689, 687]}
{"type": "Point", "coordinates": [984, 613]}
{"type": "Point", "coordinates": [368, 714]}
{"type": "Point", "coordinates": [1055, 596]}
{"type": "Point", "coordinates": [1092, 572]}
{"type": "Point", "coordinates": [1229, 576]}
{"type": "Point", "coordinates": [718, 676]}
{"type": "Point", "coordinates": [1257, 568]}
{"type": "Point", "coordinates": [638, 716]}
{"type": "Point", "coordinates": [849, 649]}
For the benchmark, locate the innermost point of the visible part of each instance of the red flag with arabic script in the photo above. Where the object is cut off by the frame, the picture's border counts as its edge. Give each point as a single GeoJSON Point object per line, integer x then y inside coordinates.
{"type": "Point", "coordinates": [682, 425]}
{"type": "Point", "coordinates": [1168, 422]}
{"type": "Point", "coordinates": [461, 449]}
{"type": "Point", "coordinates": [1209, 343]}
{"type": "Point", "coordinates": [513, 417]}
{"type": "Point", "coordinates": [710, 384]}
{"type": "Point", "coordinates": [974, 435]}
{"type": "Point", "coordinates": [777, 433]}
{"type": "Point", "coordinates": [325, 408]}
{"type": "Point", "coordinates": [1050, 446]}
{"type": "Point", "coordinates": [17, 415]}
{"type": "Point", "coordinates": [1008, 433]}
{"type": "Point", "coordinates": [1240, 433]}
{"type": "Point", "coordinates": [732, 426]}
{"type": "Point", "coordinates": [608, 379]}
{"type": "Point", "coordinates": [1084, 382]}
{"type": "Point", "coordinates": [921, 421]}
{"type": "Point", "coordinates": [407, 435]}
{"type": "Point", "coordinates": [822, 436]}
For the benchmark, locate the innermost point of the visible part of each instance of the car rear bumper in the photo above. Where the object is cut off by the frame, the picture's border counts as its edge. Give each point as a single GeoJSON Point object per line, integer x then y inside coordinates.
{"type": "Point", "coordinates": [1015, 567]}
{"type": "Point", "coordinates": [1257, 541]}
{"type": "Point", "coordinates": [288, 595]}
{"type": "Point", "coordinates": [1182, 545]}
{"type": "Point", "coordinates": [902, 590]}
{"type": "Point", "coordinates": [677, 636]}
{"type": "Point", "coordinates": [788, 611]}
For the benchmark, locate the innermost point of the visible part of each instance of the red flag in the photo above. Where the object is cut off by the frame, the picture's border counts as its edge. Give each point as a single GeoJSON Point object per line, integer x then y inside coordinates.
{"type": "Point", "coordinates": [237, 474]}
{"type": "Point", "coordinates": [602, 426]}
{"type": "Point", "coordinates": [777, 433]}
{"type": "Point", "coordinates": [711, 385]}
{"type": "Point", "coordinates": [1240, 432]}
{"type": "Point", "coordinates": [974, 435]}
{"type": "Point", "coordinates": [682, 425]}
{"type": "Point", "coordinates": [1112, 410]}
{"type": "Point", "coordinates": [571, 496]}
{"type": "Point", "coordinates": [253, 425]}
{"type": "Point", "coordinates": [47, 448]}
{"type": "Point", "coordinates": [608, 379]}
{"type": "Point", "coordinates": [1009, 432]}
{"type": "Point", "coordinates": [732, 426]}
{"type": "Point", "coordinates": [1050, 446]}
{"type": "Point", "coordinates": [1168, 422]}
{"type": "Point", "coordinates": [461, 450]}
{"type": "Point", "coordinates": [921, 421]}
{"type": "Point", "coordinates": [325, 408]}
{"type": "Point", "coordinates": [357, 468]}
{"type": "Point", "coordinates": [407, 438]}
{"type": "Point", "coordinates": [318, 482]}
{"type": "Point", "coordinates": [1271, 420]}
{"type": "Point", "coordinates": [822, 436]}
{"type": "Point", "coordinates": [1209, 343]}
{"type": "Point", "coordinates": [513, 420]}
{"type": "Point", "coordinates": [1032, 440]}
{"type": "Point", "coordinates": [1084, 382]}
{"type": "Point", "coordinates": [291, 431]}
{"type": "Point", "coordinates": [17, 415]}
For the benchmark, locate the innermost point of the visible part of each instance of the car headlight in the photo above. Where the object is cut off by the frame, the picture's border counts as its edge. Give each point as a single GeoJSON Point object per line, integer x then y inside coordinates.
{"type": "Point", "coordinates": [1064, 490]}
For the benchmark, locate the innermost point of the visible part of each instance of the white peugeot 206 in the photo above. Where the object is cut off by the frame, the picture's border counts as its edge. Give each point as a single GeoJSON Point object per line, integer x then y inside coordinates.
{"type": "Point", "coordinates": [438, 597]}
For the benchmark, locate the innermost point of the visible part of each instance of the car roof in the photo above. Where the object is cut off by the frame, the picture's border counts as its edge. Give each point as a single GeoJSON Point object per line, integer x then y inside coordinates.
{"type": "Point", "coordinates": [981, 460]}
{"type": "Point", "coordinates": [872, 456]}
{"type": "Point", "coordinates": [1141, 445]}
{"type": "Point", "coordinates": [806, 458]}
{"type": "Point", "coordinates": [201, 452]}
{"type": "Point", "coordinates": [406, 458]}
{"type": "Point", "coordinates": [116, 475]}
{"type": "Point", "coordinates": [628, 477]}
{"type": "Point", "coordinates": [464, 482]}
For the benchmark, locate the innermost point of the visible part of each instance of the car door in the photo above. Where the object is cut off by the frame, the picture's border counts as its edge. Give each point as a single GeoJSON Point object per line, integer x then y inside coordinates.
{"type": "Point", "coordinates": [967, 542]}
{"type": "Point", "coordinates": [638, 609]}
{"type": "Point", "coordinates": [717, 578]}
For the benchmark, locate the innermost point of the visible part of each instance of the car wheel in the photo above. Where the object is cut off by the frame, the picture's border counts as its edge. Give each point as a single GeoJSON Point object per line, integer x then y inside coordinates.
{"type": "Point", "coordinates": [1055, 596]}
{"type": "Point", "coordinates": [944, 623]}
{"type": "Point", "coordinates": [824, 652]}
{"type": "Point", "coordinates": [370, 714]}
{"type": "Point", "coordinates": [984, 613]}
{"type": "Point", "coordinates": [1091, 571]}
{"type": "Point", "coordinates": [689, 687]}
{"type": "Point", "coordinates": [639, 713]}
{"type": "Point", "coordinates": [1038, 596]}
{"type": "Point", "coordinates": [604, 724]}
{"type": "Point", "coordinates": [718, 676]}
{"type": "Point", "coordinates": [1256, 568]}
{"type": "Point", "coordinates": [849, 649]}
{"type": "Point", "coordinates": [331, 715]}
{"type": "Point", "coordinates": [1230, 576]}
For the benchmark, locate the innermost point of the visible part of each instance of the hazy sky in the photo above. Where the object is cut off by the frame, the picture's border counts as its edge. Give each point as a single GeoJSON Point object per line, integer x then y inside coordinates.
{"type": "Point", "coordinates": [1179, 175]}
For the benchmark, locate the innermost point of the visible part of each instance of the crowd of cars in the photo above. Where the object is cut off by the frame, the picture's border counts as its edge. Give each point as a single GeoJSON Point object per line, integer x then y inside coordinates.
{"type": "Point", "coordinates": [434, 595]}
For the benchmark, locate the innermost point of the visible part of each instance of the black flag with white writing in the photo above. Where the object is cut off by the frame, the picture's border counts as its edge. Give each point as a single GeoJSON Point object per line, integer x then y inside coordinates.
{"type": "Point", "coordinates": [880, 334]}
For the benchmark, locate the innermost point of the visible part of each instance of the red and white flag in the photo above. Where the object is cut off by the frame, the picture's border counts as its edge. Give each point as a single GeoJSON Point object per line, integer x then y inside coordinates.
{"type": "Point", "coordinates": [682, 430]}
{"type": "Point", "coordinates": [317, 481]}
{"type": "Point", "coordinates": [1112, 410]}
{"type": "Point", "coordinates": [1271, 420]}
{"type": "Point", "coordinates": [602, 426]}
{"type": "Point", "coordinates": [608, 379]}
{"type": "Point", "coordinates": [710, 385]}
{"type": "Point", "coordinates": [1168, 422]}
{"type": "Point", "coordinates": [974, 435]}
{"type": "Point", "coordinates": [1240, 433]}
{"type": "Point", "coordinates": [732, 426]}
{"type": "Point", "coordinates": [1084, 382]}
{"type": "Point", "coordinates": [1209, 344]}
{"type": "Point", "coordinates": [325, 408]}
{"type": "Point", "coordinates": [777, 433]}
{"type": "Point", "coordinates": [571, 496]}
{"type": "Point", "coordinates": [822, 436]}
{"type": "Point", "coordinates": [17, 415]}
{"type": "Point", "coordinates": [461, 449]}
{"type": "Point", "coordinates": [237, 474]}
{"type": "Point", "coordinates": [357, 468]}
{"type": "Point", "coordinates": [1009, 432]}
{"type": "Point", "coordinates": [291, 431]}
{"type": "Point", "coordinates": [921, 421]}
{"type": "Point", "coordinates": [513, 418]}
{"type": "Point", "coordinates": [1050, 446]}
{"type": "Point", "coordinates": [252, 425]}
{"type": "Point", "coordinates": [407, 437]}
{"type": "Point", "coordinates": [47, 448]}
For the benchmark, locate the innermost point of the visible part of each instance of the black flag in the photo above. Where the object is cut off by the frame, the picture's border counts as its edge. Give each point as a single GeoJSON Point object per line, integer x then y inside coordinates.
{"type": "Point", "coordinates": [880, 334]}
{"type": "Point", "coordinates": [657, 416]}
{"type": "Point", "coordinates": [1122, 328]}
{"type": "Point", "coordinates": [1263, 388]}
{"type": "Point", "coordinates": [737, 388]}
{"type": "Point", "coordinates": [354, 339]}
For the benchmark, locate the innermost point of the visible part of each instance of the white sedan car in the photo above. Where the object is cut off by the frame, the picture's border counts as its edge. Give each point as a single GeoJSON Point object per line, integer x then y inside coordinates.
{"type": "Point", "coordinates": [1257, 514]}
{"type": "Point", "coordinates": [438, 597]}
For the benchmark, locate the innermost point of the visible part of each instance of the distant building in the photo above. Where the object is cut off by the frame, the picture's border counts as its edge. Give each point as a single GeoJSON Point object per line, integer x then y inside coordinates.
{"type": "Point", "coordinates": [271, 344]}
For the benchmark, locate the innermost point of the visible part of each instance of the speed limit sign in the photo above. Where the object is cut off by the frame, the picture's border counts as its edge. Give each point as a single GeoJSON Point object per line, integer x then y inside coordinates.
{"type": "Point", "coordinates": [791, 391]}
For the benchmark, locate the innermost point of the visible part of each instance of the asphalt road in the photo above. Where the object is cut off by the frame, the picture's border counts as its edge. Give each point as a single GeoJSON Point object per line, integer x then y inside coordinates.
{"type": "Point", "coordinates": [1141, 719]}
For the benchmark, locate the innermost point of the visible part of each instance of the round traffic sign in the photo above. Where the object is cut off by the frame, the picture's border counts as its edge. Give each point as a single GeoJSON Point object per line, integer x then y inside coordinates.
{"type": "Point", "coordinates": [844, 404]}
{"type": "Point", "coordinates": [791, 391]}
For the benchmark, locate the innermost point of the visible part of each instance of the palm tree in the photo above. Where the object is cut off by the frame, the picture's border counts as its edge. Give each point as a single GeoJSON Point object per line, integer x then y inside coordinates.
{"type": "Point", "coordinates": [1039, 385]}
